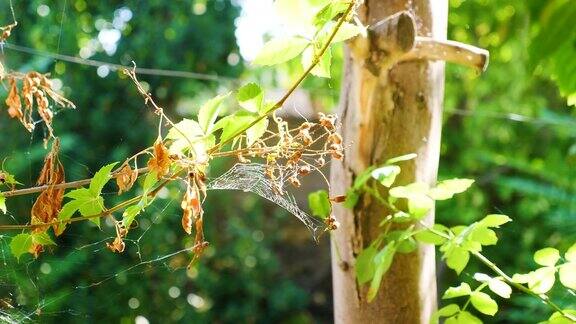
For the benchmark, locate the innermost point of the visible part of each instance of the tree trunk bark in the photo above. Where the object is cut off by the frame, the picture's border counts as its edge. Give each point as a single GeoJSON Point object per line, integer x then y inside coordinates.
{"type": "Point", "coordinates": [387, 113]}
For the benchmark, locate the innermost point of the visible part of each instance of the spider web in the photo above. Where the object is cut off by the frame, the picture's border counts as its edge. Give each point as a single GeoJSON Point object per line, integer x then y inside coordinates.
{"type": "Point", "coordinates": [252, 178]}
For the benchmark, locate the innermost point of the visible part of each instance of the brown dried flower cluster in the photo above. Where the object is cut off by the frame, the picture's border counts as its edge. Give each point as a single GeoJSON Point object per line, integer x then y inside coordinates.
{"type": "Point", "coordinates": [298, 150]}
{"type": "Point", "coordinates": [36, 89]}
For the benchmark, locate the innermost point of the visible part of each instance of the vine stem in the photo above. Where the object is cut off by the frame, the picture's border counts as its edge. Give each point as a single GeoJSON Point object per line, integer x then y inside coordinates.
{"type": "Point", "coordinates": [543, 297]}
{"type": "Point", "coordinates": [66, 185]}
{"type": "Point", "coordinates": [295, 85]}
{"type": "Point", "coordinates": [105, 213]}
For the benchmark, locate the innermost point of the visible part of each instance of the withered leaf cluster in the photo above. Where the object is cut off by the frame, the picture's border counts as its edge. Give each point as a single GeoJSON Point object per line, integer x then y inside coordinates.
{"type": "Point", "coordinates": [49, 202]}
{"type": "Point", "coordinates": [35, 91]}
{"type": "Point", "coordinates": [5, 31]}
{"type": "Point", "coordinates": [193, 213]}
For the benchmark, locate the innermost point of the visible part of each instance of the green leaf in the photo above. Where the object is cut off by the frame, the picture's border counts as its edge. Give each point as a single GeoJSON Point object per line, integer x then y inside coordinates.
{"type": "Point", "coordinates": [322, 69]}
{"type": "Point", "coordinates": [495, 220]}
{"type": "Point", "coordinates": [428, 236]}
{"type": "Point", "coordinates": [365, 266]}
{"type": "Point", "coordinates": [567, 274]}
{"type": "Point", "coordinates": [559, 318]}
{"type": "Point", "coordinates": [329, 11]}
{"type": "Point", "coordinates": [500, 288]}
{"type": "Point", "coordinates": [352, 197]}
{"type": "Point", "coordinates": [386, 175]}
{"type": "Point", "coordinates": [401, 158]}
{"type": "Point", "coordinates": [345, 32]}
{"type": "Point", "coordinates": [297, 15]}
{"type": "Point", "coordinates": [402, 217]}
{"type": "Point", "coordinates": [3, 204]}
{"type": "Point", "coordinates": [280, 50]}
{"type": "Point", "coordinates": [383, 261]}
{"type": "Point", "coordinates": [448, 188]}
{"type": "Point", "coordinates": [571, 253]}
{"type": "Point", "coordinates": [412, 190]}
{"type": "Point", "coordinates": [467, 318]}
{"type": "Point", "coordinates": [101, 178]}
{"type": "Point", "coordinates": [130, 214]}
{"type": "Point", "coordinates": [42, 238]}
{"type": "Point", "coordinates": [255, 132]}
{"type": "Point", "coordinates": [459, 291]}
{"type": "Point", "coordinates": [233, 124]}
{"type": "Point", "coordinates": [484, 303]}
{"type": "Point", "coordinates": [250, 97]}
{"type": "Point", "coordinates": [542, 280]}
{"type": "Point", "coordinates": [66, 213]}
{"type": "Point", "coordinates": [420, 205]}
{"type": "Point", "coordinates": [362, 178]}
{"type": "Point", "coordinates": [457, 258]}
{"type": "Point", "coordinates": [483, 235]}
{"type": "Point", "coordinates": [319, 203]}
{"type": "Point", "coordinates": [86, 202]}
{"type": "Point", "coordinates": [547, 256]}
{"type": "Point", "coordinates": [208, 113]}
{"type": "Point", "coordinates": [448, 310]}
{"type": "Point", "coordinates": [149, 181]}
{"type": "Point", "coordinates": [20, 244]}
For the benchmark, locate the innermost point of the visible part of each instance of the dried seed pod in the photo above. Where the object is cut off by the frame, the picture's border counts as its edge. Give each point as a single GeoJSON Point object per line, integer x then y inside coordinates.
{"type": "Point", "coordinates": [335, 138]}
{"type": "Point", "coordinates": [294, 181]}
{"type": "Point", "coordinates": [117, 246]}
{"type": "Point", "coordinates": [338, 199]}
{"type": "Point", "coordinates": [337, 155]}
{"type": "Point", "coordinates": [304, 170]}
{"type": "Point", "coordinates": [307, 140]}
{"type": "Point", "coordinates": [328, 121]}
{"type": "Point", "coordinates": [320, 161]}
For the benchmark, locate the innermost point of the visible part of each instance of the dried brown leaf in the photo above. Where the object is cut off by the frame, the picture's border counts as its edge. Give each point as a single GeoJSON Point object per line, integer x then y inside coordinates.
{"type": "Point", "coordinates": [126, 178]}
{"type": "Point", "coordinates": [161, 161]}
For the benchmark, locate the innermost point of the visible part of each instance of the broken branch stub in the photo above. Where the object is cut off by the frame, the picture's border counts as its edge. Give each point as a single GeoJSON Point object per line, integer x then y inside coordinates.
{"type": "Point", "coordinates": [427, 48]}
{"type": "Point", "coordinates": [396, 39]}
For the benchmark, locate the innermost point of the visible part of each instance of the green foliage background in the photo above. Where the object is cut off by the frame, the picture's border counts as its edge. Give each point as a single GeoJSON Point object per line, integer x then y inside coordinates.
{"type": "Point", "coordinates": [509, 128]}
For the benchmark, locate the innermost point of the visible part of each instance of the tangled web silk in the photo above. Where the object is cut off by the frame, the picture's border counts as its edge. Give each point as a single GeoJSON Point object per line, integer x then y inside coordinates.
{"type": "Point", "coordinates": [252, 178]}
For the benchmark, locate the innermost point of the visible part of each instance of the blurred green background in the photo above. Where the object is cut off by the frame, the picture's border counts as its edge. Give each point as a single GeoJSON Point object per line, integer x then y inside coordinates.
{"type": "Point", "coordinates": [509, 128]}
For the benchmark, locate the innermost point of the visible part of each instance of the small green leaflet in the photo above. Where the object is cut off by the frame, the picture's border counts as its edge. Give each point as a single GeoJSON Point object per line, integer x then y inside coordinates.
{"type": "Point", "coordinates": [382, 261]}
{"type": "Point", "coordinates": [209, 112]}
{"type": "Point", "coordinates": [101, 178]}
{"type": "Point", "coordinates": [87, 201]}
{"type": "Point", "coordinates": [231, 125]}
{"type": "Point", "coordinates": [483, 303]}
{"type": "Point", "coordinates": [386, 175]}
{"type": "Point", "coordinates": [459, 291]}
{"type": "Point", "coordinates": [131, 212]}
{"type": "Point", "coordinates": [280, 50]}
{"type": "Point", "coordinates": [250, 97]}
{"type": "Point", "coordinates": [322, 69]}
{"type": "Point", "coordinates": [21, 243]}
{"type": "Point", "coordinates": [255, 132]}
{"type": "Point", "coordinates": [320, 204]}
{"type": "Point", "coordinates": [364, 265]}
{"type": "Point", "coordinates": [329, 11]}
{"type": "Point", "coordinates": [448, 188]}
{"type": "Point", "coordinates": [547, 257]}
{"type": "Point", "coordinates": [3, 204]}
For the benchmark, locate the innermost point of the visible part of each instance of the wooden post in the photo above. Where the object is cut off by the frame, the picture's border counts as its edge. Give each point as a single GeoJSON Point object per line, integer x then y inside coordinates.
{"type": "Point", "coordinates": [388, 109]}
